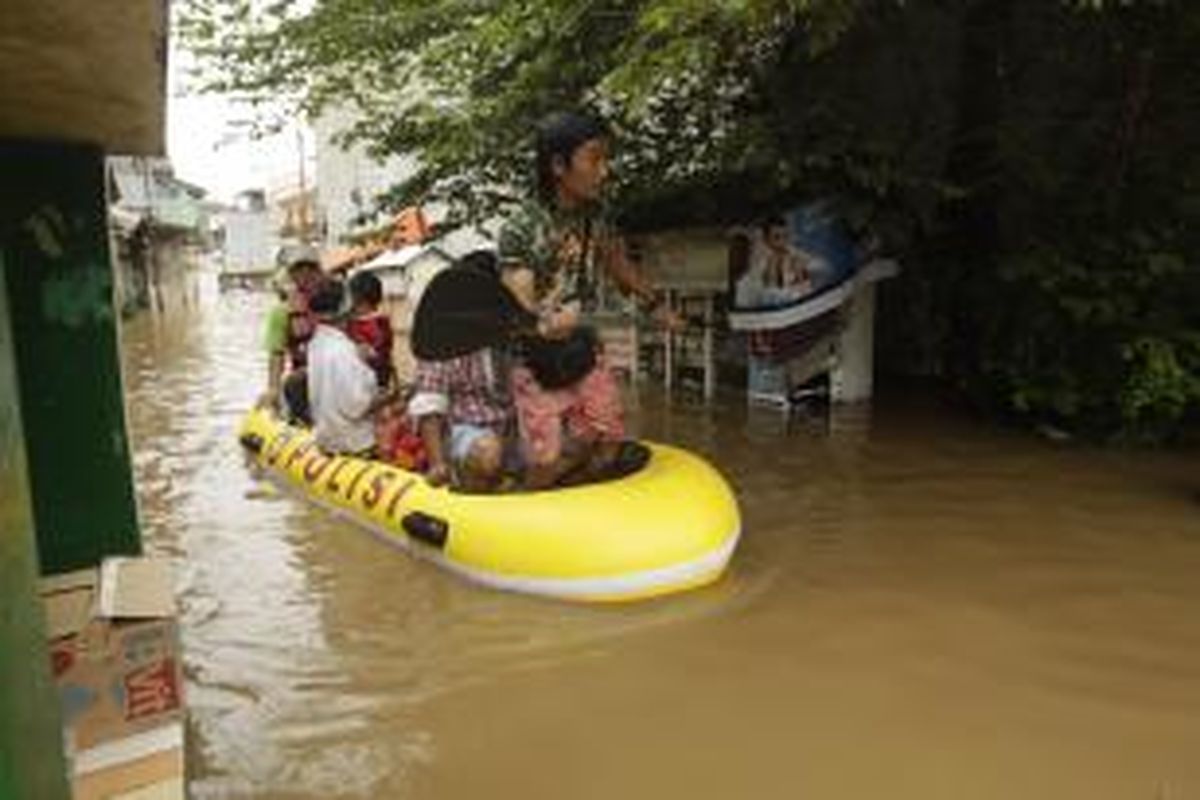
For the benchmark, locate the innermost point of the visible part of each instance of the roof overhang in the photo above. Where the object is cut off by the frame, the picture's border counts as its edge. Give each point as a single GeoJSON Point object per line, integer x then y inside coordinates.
{"type": "Point", "coordinates": [84, 71]}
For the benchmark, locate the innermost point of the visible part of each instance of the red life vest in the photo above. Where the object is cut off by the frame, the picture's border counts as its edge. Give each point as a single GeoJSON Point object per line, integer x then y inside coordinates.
{"type": "Point", "coordinates": [375, 332]}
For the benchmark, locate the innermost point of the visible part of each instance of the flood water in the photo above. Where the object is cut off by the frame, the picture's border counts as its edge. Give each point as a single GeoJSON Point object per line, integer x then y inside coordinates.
{"type": "Point", "coordinates": [921, 608]}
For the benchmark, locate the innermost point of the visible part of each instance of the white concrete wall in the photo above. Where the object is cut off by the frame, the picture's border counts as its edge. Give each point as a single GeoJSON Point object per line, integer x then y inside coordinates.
{"type": "Point", "coordinates": [349, 180]}
{"type": "Point", "coordinates": [248, 241]}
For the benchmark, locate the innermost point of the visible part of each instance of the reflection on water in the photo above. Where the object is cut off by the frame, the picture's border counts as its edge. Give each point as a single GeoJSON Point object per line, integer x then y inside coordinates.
{"type": "Point", "coordinates": [920, 608]}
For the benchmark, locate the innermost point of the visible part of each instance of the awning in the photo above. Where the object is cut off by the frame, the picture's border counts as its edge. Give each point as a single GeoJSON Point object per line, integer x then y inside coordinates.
{"type": "Point", "coordinates": [85, 71]}
{"type": "Point", "coordinates": [398, 258]}
{"type": "Point", "coordinates": [343, 258]}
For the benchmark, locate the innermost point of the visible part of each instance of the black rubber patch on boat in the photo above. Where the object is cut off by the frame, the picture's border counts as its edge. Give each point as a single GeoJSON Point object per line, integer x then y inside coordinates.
{"type": "Point", "coordinates": [252, 442]}
{"type": "Point", "coordinates": [631, 458]}
{"type": "Point", "coordinates": [426, 528]}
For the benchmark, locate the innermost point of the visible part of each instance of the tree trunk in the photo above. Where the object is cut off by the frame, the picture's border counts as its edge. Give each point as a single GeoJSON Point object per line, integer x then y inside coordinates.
{"type": "Point", "coordinates": [974, 166]}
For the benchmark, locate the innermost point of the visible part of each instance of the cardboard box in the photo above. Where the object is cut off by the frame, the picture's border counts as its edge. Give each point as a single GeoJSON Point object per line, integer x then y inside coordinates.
{"type": "Point", "coordinates": [69, 601]}
{"type": "Point", "coordinates": [144, 765]}
{"type": "Point", "coordinates": [116, 679]}
{"type": "Point", "coordinates": [135, 588]}
{"type": "Point", "coordinates": [115, 658]}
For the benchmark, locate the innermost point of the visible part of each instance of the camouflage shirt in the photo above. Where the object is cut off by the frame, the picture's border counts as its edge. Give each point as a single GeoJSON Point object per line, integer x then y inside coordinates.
{"type": "Point", "coordinates": [563, 248]}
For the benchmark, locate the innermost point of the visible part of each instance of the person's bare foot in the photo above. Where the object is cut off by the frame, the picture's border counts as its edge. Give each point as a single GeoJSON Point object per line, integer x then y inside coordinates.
{"type": "Point", "coordinates": [539, 477]}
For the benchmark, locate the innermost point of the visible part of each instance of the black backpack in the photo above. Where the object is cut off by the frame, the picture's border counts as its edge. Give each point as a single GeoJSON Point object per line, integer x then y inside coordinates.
{"type": "Point", "coordinates": [559, 363]}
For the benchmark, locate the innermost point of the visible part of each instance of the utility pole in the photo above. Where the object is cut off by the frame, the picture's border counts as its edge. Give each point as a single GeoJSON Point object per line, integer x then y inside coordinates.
{"type": "Point", "coordinates": [302, 207]}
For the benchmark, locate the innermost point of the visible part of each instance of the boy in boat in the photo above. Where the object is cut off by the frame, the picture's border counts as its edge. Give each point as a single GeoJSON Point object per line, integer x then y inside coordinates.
{"type": "Point", "coordinates": [371, 329]}
{"type": "Point", "coordinates": [464, 411]}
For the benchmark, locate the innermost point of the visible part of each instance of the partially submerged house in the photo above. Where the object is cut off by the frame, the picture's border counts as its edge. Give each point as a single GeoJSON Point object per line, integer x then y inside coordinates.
{"type": "Point", "coordinates": [159, 225]}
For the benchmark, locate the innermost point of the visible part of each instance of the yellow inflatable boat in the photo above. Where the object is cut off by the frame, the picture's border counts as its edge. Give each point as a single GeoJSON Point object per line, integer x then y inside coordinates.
{"type": "Point", "coordinates": [671, 526]}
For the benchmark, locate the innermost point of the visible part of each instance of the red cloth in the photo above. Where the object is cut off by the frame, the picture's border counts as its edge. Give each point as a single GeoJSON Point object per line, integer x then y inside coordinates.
{"type": "Point", "coordinates": [591, 411]}
{"type": "Point", "coordinates": [398, 441]}
{"type": "Point", "coordinates": [375, 331]}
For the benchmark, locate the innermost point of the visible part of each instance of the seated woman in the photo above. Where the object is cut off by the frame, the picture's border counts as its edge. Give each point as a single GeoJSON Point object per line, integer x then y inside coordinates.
{"type": "Point", "coordinates": [463, 409]}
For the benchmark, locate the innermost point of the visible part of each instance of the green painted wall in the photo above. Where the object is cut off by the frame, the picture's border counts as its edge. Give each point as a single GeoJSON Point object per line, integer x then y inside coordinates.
{"type": "Point", "coordinates": [56, 267]}
{"type": "Point", "coordinates": [31, 758]}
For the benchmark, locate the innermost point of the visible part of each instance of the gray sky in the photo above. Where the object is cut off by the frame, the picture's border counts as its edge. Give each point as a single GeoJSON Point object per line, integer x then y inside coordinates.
{"type": "Point", "coordinates": [207, 150]}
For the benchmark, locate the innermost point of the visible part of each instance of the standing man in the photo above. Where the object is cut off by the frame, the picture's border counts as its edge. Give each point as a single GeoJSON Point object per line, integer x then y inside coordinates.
{"type": "Point", "coordinates": [552, 251]}
{"type": "Point", "coordinates": [290, 326]}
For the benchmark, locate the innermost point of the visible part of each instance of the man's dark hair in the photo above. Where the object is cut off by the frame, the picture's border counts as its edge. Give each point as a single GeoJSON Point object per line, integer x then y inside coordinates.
{"type": "Point", "coordinates": [365, 287]}
{"type": "Point", "coordinates": [559, 135]}
{"type": "Point", "coordinates": [326, 298]}
{"type": "Point", "coordinates": [773, 221]}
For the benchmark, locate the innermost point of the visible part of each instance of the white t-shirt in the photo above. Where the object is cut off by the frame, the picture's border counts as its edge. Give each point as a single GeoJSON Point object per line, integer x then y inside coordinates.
{"type": "Point", "coordinates": [341, 388]}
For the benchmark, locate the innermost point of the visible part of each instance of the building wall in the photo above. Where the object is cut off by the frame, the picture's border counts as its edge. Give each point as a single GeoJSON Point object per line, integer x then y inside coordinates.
{"type": "Point", "coordinates": [248, 241]}
{"type": "Point", "coordinates": [349, 180]}
{"type": "Point", "coordinates": [31, 764]}
{"type": "Point", "coordinates": [59, 277]}
{"type": "Point", "coordinates": [157, 223]}
{"type": "Point", "coordinates": [70, 71]}
{"type": "Point", "coordinates": [292, 215]}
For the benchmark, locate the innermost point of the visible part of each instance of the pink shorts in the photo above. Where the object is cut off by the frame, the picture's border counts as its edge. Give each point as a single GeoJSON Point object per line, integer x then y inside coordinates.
{"type": "Point", "coordinates": [591, 409]}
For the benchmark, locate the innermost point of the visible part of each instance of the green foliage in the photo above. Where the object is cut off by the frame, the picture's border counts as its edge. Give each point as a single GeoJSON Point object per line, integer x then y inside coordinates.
{"type": "Point", "coordinates": [1033, 163]}
{"type": "Point", "coordinates": [1103, 344]}
{"type": "Point", "coordinates": [1161, 382]}
{"type": "Point", "coordinates": [461, 82]}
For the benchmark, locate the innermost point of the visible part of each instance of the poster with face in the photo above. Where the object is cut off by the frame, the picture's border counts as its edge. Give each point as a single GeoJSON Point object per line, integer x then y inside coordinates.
{"type": "Point", "coordinates": [789, 258]}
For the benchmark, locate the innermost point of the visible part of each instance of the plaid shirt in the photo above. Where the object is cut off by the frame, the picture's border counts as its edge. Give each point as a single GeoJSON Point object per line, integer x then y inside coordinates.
{"type": "Point", "coordinates": [471, 390]}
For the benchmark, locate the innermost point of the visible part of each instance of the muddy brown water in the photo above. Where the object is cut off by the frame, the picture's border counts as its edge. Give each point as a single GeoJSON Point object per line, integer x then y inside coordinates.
{"type": "Point", "coordinates": [921, 607]}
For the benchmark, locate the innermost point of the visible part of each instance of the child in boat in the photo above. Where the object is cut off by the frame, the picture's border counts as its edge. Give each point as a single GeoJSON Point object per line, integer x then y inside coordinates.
{"type": "Point", "coordinates": [370, 327]}
{"type": "Point", "coordinates": [397, 441]}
